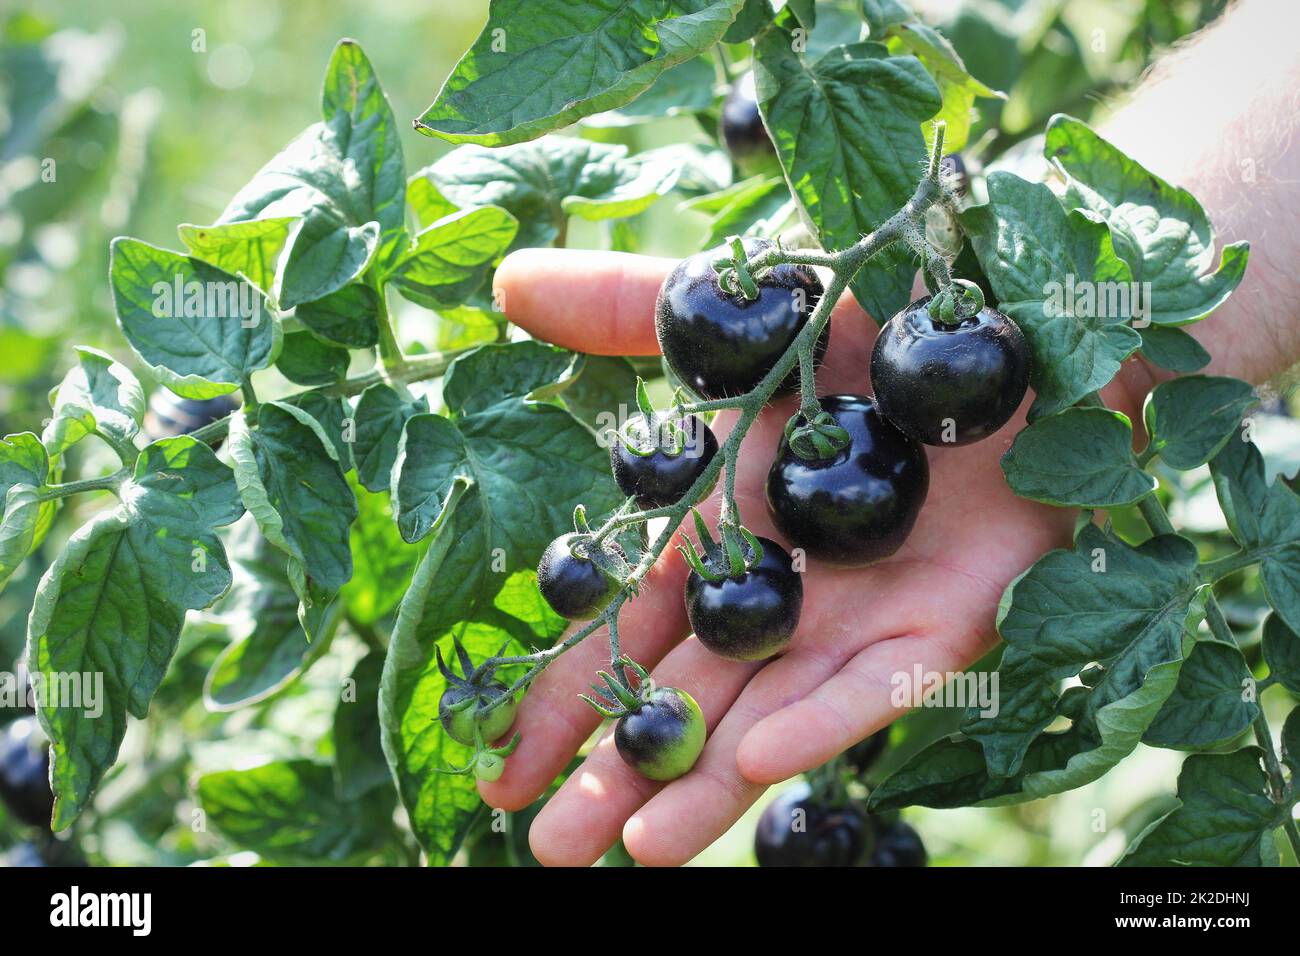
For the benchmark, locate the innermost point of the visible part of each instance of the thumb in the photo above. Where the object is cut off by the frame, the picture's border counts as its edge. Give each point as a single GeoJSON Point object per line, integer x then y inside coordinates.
{"type": "Point", "coordinates": [585, 300]}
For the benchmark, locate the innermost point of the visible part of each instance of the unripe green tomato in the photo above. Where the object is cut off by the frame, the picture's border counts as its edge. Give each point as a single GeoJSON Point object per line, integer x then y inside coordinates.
{"type": "Point", "coordinates": [459, 723]}
{"type": "Point", "coordinates": [489, 766]}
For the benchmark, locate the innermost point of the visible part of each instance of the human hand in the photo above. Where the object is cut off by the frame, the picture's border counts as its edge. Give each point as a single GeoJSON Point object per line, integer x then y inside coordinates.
{"type": "Point", "coordinates": [932, 603]}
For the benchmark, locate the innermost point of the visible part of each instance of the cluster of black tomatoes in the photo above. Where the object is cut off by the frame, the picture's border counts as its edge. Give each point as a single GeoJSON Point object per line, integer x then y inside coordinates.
{"type": "Point", "coordinates": [848, 495]}
{"type": "Point", "coordinates": [800, 828]}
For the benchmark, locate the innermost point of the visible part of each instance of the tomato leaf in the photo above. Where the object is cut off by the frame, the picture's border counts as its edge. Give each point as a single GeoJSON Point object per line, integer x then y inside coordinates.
{"type": "Point", "coordinates": [288, 810]}
{"type": "Point", "coordinates": [97, 395]}
{"type": "Point", "coordinates": [1191, 418]}
{"type": "Point", "coordinates": [450, 260]}
{"type": "Point", "coordinates": [847, 130]}
{"type": "Point", "coordinates": [380, 416]}
{"type": "Point", "coordinates": [202, 331]}
{"type": "Point", "coordinates": [1210, 704]}
{"type": "Point", "coordinates": [114, 600]}
{"type": "Point", "coordinates": [1170, 347]}
{"type": "Point", "coordinates": [250, 250]}
{"type": "Point", "coordinates": [1265, 519]}
{"type": "Point", "coordinates": [348, 317]}
{"type": "Point", "coordinates": [1162, 232]}
{"type": "Point", "coordinates": [527, 74]}
{"type": "Point", "coordinates": [292, 483]}
{"type": "Point", "coordinates": [1224, 817]}
{"type": "Point", "coordinates": [1282, 653]}
{"type": "Point", "coordinates": [308, 360]}
{"type": "Point", "coordinates": [1029, 246]}
{"type": "Point", "coordinates": [1078, 458]}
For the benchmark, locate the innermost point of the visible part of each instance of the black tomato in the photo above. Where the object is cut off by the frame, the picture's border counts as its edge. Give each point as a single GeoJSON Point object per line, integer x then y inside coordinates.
{"type": "Point", "coordinates": [742, 123]}
{"type": "Point", "coordinates": [955, 169]}
{"type": "Point", "coordinates": [949, 384]}
{"type": "Point", "coordinates": [749, 617]}
{"type": "Point", "coordinates": [796, 831]}
{"type": "Point", "coordinates": [573, 586]}
{"type": "Point", "coordinates": [720, 345]}
{"type": "Point", "coordinates": [663, 737]}
{"type": "Point", "coordinates": [897, 844]}
{"type": "Point", "coordinates": [660, 479]}
{"type": "Point", "coordinates": [860, 505]}
{"type": "Point", "coordinates": [170, 415]}
{"type": "Point", "coordinates": [863, 755]}
{"type": "Point", "coordinates": [25, 772]}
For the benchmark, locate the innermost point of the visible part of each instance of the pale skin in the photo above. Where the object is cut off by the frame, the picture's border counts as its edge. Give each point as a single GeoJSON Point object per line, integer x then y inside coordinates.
{"type": "Point", "coordinates": [933, 603]}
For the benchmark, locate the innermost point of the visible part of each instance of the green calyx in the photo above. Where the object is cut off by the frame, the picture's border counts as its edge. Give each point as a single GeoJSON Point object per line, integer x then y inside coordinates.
{"type": "Point", "coordinates": [650, 432]}
{"type": "Point", "coordinates": [958, 302]}
{"type": "Point", "coordinates": [815, 437]}
{"type": "Point", "coordinates": [617, 698]}
{"type": "Point", "coordinates": [734, 277]}
{"type": "Point", "coordinates": [737, 552]}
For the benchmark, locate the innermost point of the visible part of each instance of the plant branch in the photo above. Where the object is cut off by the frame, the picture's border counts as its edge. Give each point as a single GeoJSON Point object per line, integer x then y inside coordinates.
{"type": "Point", "coordinates": [105, 483]}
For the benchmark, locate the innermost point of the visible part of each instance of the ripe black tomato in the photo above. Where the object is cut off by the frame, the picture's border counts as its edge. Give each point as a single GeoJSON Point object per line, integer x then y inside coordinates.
{"type": "Point", "coordinates": [720, 345]}
{"type": "Point", "coordinates": [663, 737]}
{"type": "Point", "coordinates": [794, 830]}
{"type": "Point", "coordinates": [573, 585]}
{"type": "Point", "coordinates": [660, 479]}
{"type": "Point", "coordinates": [949, 384]}
{"type": "Point", "coordinates": [749, 617]}
{"type": "Point", "coordinates": [897, 844]}
{"type": "Point", "coordinates": [743, 131]}
{"type": "Point", "coordinates": [459, 722]}
{"type": "Point", "coordinates": [25, 772]}
{"type": "Point", "coordinates": [860, 505]}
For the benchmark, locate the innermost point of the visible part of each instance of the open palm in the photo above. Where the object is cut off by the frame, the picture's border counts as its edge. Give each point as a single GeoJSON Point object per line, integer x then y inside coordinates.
{"type": "Point", "coordinates": [932, 603]}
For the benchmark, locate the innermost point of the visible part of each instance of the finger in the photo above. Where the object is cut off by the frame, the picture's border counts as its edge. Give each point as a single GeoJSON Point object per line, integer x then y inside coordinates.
{"type": "Point", "coordinates": [589, 301]}
{"type": "Point", "coordinates": [586, 815]}
{"type": "Point", "coordinates": [856, 702]}
{"type": "Point", "coordinates": [553, 721]}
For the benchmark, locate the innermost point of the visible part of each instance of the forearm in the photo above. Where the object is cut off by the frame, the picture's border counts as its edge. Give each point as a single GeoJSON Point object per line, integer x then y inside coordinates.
{"type": "Point", "coordinates": [1219, 117]}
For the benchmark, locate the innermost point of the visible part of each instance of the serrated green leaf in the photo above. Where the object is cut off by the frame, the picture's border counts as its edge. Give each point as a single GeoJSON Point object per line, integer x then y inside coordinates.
{"type": "Point", "coordinates": [114, 600]}
{"type": "Point", "coordinates": [202, 331]}
{"type": "Point", "coordinates": [270, 648]}
{"type": "Point", "coordinates": [307, 360]}
{"type": "Point", "coordinates": [356, 111]}
{"type": "Point", "coordinates": [382, 562]}
{"type": "Point", "coordinates": [97, 395]}
{"type": "Point", "coordinates": [1191, 418]}
{"type": "Point", "coordinates": [1064, 613]}
{"type": "Point", "coordinates": [1212, 703]}
{"type": "Point", "coordinates": [1170, 347]}
{"type": "Point", "coordinates": [348, 317]}
{"type": "Point", "coordinates": [1078, 458]}
{"type": "Point", "coordinates": [359, 764]}
{"type": "Point", "coordinates": [531, 461]}
{"type": "Point", "coordinates": [958, 88]}
{"type": "Point", "coordinates": [847, 130]}
{"type": "Point", "coordinates": [1291, 741]}
{"type": "Point", "coordinates": [250, 250]}
{"type": "Point", "coordinates": [534, 181]}
{"type": "Point", "coordinates": [1162, 232]}
{"type": "Point", "coordinates": [1036, 257]}
{"type": "Point", "coordinates": [451, 259]}
{"type": "Point", "coordinates": [292, 483]}
{"type": "Point", "coordinates": [528, 74]}
{"type": "Point", "coordinates": [1282, 653]}
{"type": "Point", "coordinates": [1264, 519]}
{"type": "Point", "coordinates": [686, 88]}
{"type": "Point", "coordinates": [24, 469]}
{"type": "Point", "coordinates": [288, 810]}
{"type": "Point", "coordinates": [380, 416]}
{"type": "Point", "coordinates": [1224, 813]}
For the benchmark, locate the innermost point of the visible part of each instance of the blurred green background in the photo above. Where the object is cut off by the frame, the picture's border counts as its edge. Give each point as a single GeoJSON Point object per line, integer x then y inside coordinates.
{"type": "Point", "coordinates": [154, 113]}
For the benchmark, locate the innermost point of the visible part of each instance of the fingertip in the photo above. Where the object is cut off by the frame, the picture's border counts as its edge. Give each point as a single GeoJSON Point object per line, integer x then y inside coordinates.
{"type": "Point", "coordinates": [587, 300]}
{"type": "Point", "coordinates": [756, 760]}
{"type": "Point", "coordinates": [504, 794]}
{"type": "Point", "coordinates": [642, 844]}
